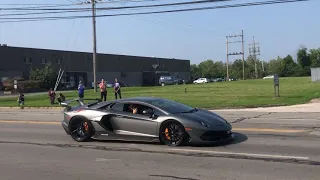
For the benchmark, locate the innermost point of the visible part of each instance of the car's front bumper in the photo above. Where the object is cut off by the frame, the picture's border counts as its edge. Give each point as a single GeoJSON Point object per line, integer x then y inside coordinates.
{"type": "Point", "coordinates": [196, 140]}
{"type": "Point", "coordinates": [203, 135]}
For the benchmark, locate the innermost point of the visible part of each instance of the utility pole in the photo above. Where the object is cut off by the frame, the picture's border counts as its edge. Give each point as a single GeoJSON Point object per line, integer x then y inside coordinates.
{"type": "Point", "coordinates": [254, 50]}
{"type": "Point", "coordinates": [235, 53]}
{"type": "Point", "coordinates": [227, 43]}
{"type": "Point", "coordinates": [93, 3]}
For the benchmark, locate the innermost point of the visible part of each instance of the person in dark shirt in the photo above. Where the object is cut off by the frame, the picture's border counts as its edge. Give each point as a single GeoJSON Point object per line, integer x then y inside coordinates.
{"type": "Point", "coordinates": [21, 99]}
{"type": "Point", "coordinates": [61, 98]}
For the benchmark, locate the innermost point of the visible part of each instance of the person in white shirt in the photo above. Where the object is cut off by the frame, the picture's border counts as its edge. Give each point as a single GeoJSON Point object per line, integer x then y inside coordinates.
{"type": "Point", "coordinates": [117, 89]}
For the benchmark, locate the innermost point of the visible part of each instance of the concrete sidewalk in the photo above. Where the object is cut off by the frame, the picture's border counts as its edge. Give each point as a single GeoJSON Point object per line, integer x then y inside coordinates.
{"type": "Point", "coordinates": [313, 106]}
{"type": "Point", "coordinates": [310, 107]}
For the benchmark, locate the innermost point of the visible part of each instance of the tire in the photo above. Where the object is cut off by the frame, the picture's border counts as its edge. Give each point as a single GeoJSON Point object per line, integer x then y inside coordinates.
{"type": "Point", "coordinates": [178, 135]}
{"type": "Point", "coordinates": [81, 130]}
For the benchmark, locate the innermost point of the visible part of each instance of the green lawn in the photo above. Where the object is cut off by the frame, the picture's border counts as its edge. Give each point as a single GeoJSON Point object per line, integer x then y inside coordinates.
{"type": "Point", "coordinates": [249, 93]}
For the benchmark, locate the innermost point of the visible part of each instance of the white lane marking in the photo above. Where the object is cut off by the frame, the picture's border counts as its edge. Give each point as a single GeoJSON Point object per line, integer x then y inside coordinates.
{"type": "Point", "coordinates": [103, 159]}
{"type": "Point", "coordinates": [243, 154]}
{"type": "Point", "coordinates": [316, 133]}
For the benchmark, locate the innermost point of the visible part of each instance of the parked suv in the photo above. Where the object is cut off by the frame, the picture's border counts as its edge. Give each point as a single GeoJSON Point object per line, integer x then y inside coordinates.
{"type": "Point", "coordinates": [169, 80]}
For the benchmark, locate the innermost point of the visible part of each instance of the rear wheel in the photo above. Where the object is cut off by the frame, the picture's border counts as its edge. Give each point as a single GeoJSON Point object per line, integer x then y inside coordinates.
{"type": "Point", "coordinates": [172, 133]}
{"type": "Point", "coordinates": [82, 130]}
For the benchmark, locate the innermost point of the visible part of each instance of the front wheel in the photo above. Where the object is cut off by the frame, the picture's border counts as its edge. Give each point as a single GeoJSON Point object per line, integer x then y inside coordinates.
{"type": "Point", "coordinates": [173, 134]}
{"type": "Point", "coordinates": [82, 130]}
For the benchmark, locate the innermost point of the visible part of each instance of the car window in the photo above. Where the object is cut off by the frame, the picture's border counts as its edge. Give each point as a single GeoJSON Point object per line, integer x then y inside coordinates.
{"type": "Point", "coordinates": [171, 107]}
{"type": "Point", "coordinates": [128, 107]}
{"type": "Point", "coordinates": [117, 107]}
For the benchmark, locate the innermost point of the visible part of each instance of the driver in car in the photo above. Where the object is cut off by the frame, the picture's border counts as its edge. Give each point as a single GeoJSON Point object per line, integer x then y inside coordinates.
{"type": "Point", "coordinates": [133, 108]}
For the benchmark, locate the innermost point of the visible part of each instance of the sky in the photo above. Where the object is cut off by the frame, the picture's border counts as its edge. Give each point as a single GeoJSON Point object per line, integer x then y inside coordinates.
{"type": "Point", "coordinates": [196, 36]}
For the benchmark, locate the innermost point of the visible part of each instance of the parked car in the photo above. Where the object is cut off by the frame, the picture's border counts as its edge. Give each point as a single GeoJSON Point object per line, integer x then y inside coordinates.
{"type": "Point", "coordinates": [169, 80]}
{"type": "Point", "coordinates": [269, 77]}
{"type": "Point", "coordinates": [200, 81]}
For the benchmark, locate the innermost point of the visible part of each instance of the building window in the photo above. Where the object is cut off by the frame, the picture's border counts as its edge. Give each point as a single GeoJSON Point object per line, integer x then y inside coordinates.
{"type": "Point", "coordinates": [43, 61]}
{"type": "Point", "coordinates": [27, 60]}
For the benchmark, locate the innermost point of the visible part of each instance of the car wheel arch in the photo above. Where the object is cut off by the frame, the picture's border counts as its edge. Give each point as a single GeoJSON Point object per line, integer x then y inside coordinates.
{"type": "Point", "coordinates": [76, 119]}
{"type": "Point", "coordinates": [170, 120]}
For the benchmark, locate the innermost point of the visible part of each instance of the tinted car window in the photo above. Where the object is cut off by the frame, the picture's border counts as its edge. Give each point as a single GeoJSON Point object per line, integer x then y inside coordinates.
{"type": "Point", "coordinates": [171, 106]}
{"type": "Point", "coordinates": [117, 107]}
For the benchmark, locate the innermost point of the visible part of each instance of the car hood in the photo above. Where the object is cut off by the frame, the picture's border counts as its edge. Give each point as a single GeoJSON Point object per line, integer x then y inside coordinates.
{"type": "Point", "coordinates": [209, 118]}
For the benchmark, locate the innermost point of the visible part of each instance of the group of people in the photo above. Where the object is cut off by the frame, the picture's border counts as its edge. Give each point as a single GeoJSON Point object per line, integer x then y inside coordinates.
{"type": "Point", "coordinates": [81, 88]}
{"type": "Point", "coordinates": [52, 96]}
{"type": "Point", "coordinates": [103, 89]}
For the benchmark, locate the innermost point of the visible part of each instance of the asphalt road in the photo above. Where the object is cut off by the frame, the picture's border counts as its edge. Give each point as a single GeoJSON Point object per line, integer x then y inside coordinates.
{"type": "Point", "coordinates": [268, 145]}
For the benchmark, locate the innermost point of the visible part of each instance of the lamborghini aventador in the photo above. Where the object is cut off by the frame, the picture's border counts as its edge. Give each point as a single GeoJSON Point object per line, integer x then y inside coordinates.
{"type": "Point", "coordinates": [144, 119]}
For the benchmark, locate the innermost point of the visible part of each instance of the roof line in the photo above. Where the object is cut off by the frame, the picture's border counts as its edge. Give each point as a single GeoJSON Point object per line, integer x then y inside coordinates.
{"type": "Point", "coordinates": [57, 50]}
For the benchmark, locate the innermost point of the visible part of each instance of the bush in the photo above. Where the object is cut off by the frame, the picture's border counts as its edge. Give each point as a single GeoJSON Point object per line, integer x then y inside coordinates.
{"type": "Point", "coordinates": [27, 86]}
{"type": "Point", "coordinates": [8, 88]}
{"type": "Point", "coordinates": [47, 76]}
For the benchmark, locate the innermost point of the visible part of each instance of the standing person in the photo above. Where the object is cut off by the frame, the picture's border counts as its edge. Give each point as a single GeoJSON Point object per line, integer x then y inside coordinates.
{"type": "Point", "coordinates": [103, 90]}
{"type": "Point", "coordinates": [52, 96]}
{"type": "Point", "coordinates": [21, 100]}
{"type": "Point", "coordinates": [117, 89]}
{"type": "Point", "coordinates": [81, 90]}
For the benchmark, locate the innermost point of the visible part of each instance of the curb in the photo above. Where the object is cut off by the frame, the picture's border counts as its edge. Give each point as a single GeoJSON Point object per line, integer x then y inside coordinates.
{"type": "Point", "coordinates": [31, 108]}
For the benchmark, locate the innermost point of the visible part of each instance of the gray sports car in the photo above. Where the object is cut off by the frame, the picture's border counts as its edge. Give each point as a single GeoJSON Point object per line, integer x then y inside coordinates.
{"type": "Point", "coordinates": [144, 119]}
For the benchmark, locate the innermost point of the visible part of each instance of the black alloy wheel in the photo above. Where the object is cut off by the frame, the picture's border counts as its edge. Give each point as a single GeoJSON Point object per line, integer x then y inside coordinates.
{"type": "Point", "coordinates": [173, 134]}
{"type": "Point", "coordinates": [82, 131]}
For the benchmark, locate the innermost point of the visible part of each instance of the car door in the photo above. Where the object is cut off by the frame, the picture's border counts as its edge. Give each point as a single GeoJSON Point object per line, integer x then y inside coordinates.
{"type": "Point", "coordinates": [134, 125]}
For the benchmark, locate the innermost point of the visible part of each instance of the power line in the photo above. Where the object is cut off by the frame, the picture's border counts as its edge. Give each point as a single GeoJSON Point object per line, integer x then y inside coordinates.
{"type": "Point", "coordinates": [123, 7]}
{"type": "Point", "coordinates": [75, 4]}
{"type": "Point", "coordinates": [152, 12]}
{"type": "Point", "coordinates": [58, 11]}
{"type": "Point", "coordinates": [51, 6]}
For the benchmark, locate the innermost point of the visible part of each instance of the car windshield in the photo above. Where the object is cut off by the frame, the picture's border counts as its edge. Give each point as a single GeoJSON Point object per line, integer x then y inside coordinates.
{"type": "Point", "coordinates": [171, 106]}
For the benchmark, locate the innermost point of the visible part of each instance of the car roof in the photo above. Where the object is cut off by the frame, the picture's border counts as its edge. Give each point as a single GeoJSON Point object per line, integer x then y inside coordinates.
{"type": "Point", "coordinates": [141, 99]}
{"type": "Point", "coordinates": [133, 99]}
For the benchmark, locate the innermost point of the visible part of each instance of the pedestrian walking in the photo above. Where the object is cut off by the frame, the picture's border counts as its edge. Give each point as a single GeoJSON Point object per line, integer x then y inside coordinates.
{"type": "Point", "coordinates": [103, 90]}
{"type": "Point", "coordinates": [117, 89]}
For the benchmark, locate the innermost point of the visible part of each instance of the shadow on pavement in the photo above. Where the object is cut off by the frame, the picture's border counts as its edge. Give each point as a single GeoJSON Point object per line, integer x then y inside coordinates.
{"type": "Point", "coordinates": [238, 138]}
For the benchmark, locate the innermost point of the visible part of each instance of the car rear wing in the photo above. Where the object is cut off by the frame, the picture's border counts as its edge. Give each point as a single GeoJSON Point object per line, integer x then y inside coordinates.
{"type": "Point", "coordinates": [80, 102]}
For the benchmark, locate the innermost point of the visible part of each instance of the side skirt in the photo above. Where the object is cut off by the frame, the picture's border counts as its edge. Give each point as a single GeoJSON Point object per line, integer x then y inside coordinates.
{"type": "Point", "coordinates": [121, 137]}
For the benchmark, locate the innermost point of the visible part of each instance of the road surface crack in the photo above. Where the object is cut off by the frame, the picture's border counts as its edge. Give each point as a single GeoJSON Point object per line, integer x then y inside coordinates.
{"type": "Point", "coordinates": [181, 153]}
{"type": "Point", "coordinates": [246, 118]}
{"type": "Point", "coordinates": [173, 177]}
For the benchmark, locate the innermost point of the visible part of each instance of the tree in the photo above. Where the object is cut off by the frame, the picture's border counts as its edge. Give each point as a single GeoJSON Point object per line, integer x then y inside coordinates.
{"type": "Point", "coordinates": [304, 61]}
{"type": "Point", "coordinates": [194, 71]}
{"type": "Point", "coordinates": [285, 67]}
{"type": "Point", "coordinates": [314, 55]}
{"type": "Point", "coordinates": [47, 76]}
